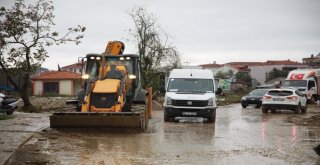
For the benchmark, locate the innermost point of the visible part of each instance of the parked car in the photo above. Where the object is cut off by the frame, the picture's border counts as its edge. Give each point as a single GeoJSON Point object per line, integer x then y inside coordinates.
{"type": "Point", "coordinates": [254, 97]}
{"type": "Point", "coordinates": [290, 98]}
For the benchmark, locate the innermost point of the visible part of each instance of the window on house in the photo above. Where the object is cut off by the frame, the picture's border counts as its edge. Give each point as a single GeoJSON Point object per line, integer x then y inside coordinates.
{"type": "Point", "coordinates": [51, 88]}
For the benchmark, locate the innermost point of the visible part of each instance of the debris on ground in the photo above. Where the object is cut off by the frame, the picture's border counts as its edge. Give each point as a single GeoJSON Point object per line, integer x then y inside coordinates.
{"type": "Point", "coordinates": [48, 104]}
{"type": "Point", "coordinates": [311, 118]}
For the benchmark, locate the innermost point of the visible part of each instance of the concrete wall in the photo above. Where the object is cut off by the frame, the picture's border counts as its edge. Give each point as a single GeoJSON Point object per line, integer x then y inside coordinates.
{"type": "Point", "coordinates": [259, 72]}
{"type": "Point", "coordinates": [76, 86]}
{"type": "Point", "coordinates": [38, 88]}
{"type": "Point", "coordinates": [66, 87]}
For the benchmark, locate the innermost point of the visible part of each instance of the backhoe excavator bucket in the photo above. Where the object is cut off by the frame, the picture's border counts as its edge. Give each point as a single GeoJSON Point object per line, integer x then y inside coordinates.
{"type": "Point", "coordinates": [136, 119]}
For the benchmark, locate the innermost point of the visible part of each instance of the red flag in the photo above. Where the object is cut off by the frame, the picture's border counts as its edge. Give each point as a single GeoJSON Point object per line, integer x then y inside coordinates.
{"type": "Point", "coordinates": [296, 76]}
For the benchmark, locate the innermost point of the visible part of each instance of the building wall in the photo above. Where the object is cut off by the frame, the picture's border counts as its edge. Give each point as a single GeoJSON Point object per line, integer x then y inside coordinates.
{"type": "Point", "coordinates": [259, 72]}
{"type": "Point", "coordinates": [38, 88]}
{"type": "Point", "coordinates": [76, 86]}
{"type": "Point", "coordinates": [66, 87]}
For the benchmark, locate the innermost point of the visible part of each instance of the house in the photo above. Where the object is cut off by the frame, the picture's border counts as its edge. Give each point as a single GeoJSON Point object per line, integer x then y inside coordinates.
{"type": "Point", "coordinates": [313, 61]}
{"type": "Point", "coordinates": [55, 83]}
{"type": "Point", "coordinates": [257, 70]}
{"type": "Point", "coordinates": [76, 68]}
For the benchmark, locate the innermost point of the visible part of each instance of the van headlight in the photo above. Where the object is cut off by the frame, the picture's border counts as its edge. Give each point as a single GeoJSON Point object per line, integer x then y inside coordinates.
{"type": "Point", "coordinates": [210, 102]}
{"type": "Point", "coordinates": [169, 101]}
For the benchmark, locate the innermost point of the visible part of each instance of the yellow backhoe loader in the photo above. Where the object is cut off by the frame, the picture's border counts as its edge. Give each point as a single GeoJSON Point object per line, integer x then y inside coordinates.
{"type": "Point", "coordinates": [111, 95]}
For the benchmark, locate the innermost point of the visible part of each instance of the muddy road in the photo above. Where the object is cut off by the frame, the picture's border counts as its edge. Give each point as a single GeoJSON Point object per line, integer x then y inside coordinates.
{"type": "Point", "coordinates": [239, 136]}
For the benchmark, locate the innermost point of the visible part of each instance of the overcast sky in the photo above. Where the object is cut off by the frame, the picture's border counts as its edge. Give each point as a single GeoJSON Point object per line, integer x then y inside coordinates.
{"type": "Point", "coordinates": [202, 30]}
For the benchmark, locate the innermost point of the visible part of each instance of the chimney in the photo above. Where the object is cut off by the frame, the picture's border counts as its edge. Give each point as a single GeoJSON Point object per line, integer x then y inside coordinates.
{"type": "Point", "coordinates": [214, 62]}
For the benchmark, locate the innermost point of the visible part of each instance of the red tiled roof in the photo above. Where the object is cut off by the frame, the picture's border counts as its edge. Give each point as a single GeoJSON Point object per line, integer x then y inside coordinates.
{"type": "Point", "coordinates": [211, 65]}
{"type": "Point", "coordinates": [57, 75]}
{"type": "Point", "coordinates": [269, 62]}
{"type": "Point", "coordinates": [244, 63]}
{"type": "Point", "coordinates": [282, 62]}
{"type": "Point", "coordinates": [72, 66]}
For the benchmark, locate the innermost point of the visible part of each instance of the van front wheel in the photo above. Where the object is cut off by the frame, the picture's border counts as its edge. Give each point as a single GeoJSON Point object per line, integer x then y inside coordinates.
{"type": "Point", "coordinates": [166, 118]}
{"type": "Point", "coordinates": [212, 117]}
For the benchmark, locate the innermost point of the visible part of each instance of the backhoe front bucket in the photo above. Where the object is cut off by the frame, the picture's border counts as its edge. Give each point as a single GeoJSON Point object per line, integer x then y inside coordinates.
{"type": "Point", "coordinates": [136, 119]}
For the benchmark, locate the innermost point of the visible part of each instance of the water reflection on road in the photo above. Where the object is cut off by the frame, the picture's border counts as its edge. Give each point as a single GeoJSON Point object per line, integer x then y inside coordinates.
{"type": "Point", "coordinates": [242, 136]}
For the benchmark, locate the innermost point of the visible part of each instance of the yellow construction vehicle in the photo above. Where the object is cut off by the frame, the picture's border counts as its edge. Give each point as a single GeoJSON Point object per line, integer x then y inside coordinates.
{"type": "Point", "coordinates": [111, 96]}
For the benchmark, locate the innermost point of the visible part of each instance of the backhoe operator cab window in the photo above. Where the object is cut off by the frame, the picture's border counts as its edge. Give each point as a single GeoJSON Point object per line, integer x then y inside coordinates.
{"type": "Point", "coordinates": [94, 63]}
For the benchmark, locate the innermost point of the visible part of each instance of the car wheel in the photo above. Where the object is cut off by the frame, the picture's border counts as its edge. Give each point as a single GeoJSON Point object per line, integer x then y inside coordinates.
{"type": "Point", "coordinates": [304, 109]}
{"type": "Point", "coordinates": [273, 111]}
{"type": "Point", "coordinates": [166, 118]}
{"type": "Point", "coordinates": [264, 110]}
{"type": "Point", "coordinates": [244, 105]}
{"type": "Point", "coordinates": [298, 109]}
{"type": "Point", "coordinates": [10, 112]}
{"type": "Point", "coordinates": [258, 105]}
{"type": "Point", "coordinates": [212, 117]}
{"type": "Point", "coordinates": [312, 100]}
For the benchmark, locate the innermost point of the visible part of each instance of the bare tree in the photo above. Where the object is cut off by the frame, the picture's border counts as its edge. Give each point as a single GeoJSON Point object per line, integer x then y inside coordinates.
{"type": "Point", "coordinates": [25, 31]}
{"type": "Point", "coordinates": [156, 53]}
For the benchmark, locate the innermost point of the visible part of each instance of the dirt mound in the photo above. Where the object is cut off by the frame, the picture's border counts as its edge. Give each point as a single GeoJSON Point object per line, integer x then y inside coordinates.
{"type": "Point", "coordinates": [58, 104]}
{"type": "Point", "coordinates": [48, 104]}
{"type": "Point", "coordinates": [312, 121]}
{"type": "Point", "coordinates": [311, 118]}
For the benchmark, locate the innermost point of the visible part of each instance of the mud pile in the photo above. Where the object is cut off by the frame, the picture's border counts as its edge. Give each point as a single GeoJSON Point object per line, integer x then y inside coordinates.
{"type": "Point", "coordinates": [311, 121]}
{"type": "Point", "coordinates": [49, 104]}
{"type": "Point", "coordinates": [311, 118]}
{"type": "Point", "coordinates": [58, 104]}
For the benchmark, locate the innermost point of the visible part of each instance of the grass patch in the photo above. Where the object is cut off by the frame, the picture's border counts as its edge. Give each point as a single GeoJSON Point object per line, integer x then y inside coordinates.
{"type": "Point", "coordinates": [3, 116]}
{"type": "Point", "coordinates": [231, 98]}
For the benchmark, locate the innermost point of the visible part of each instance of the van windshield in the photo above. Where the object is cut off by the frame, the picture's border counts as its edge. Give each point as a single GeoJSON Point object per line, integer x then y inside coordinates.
{"type": "Point", "coordinates": [185, 85]}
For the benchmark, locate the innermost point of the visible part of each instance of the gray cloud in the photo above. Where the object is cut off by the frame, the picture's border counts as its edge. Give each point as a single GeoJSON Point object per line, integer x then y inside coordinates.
{"type": "Point", "coordinates": [204, 30]}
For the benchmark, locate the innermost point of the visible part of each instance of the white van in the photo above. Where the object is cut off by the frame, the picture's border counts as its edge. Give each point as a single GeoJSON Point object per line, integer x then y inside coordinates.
{"type": "Point", "coordinates": [190, 93]}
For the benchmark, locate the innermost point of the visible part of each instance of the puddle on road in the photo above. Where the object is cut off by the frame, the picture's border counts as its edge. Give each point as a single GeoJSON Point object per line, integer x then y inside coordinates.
{"type": "Point", "coordinates": [311, 135]}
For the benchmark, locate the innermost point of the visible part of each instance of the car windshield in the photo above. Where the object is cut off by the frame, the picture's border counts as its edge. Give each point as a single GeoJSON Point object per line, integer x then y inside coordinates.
{"type": "Point", "coordinates": [295, 83]}
{"type": "Point", "coordinates": [258, 92]}
{"type": "Point", "coordinates": [187, 85]}
{"type": "Point", "coordinates": [280, 93]}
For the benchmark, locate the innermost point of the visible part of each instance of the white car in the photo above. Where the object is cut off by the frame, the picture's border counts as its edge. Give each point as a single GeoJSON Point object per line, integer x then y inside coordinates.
{"type": "Point", "coordinates": [284, 98]}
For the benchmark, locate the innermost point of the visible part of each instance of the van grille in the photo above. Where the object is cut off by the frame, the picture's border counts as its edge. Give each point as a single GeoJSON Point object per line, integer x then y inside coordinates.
{"type": "Point", "coordinates": [103, 100]}
{"type": "Point", "coordinates": [190, 103]}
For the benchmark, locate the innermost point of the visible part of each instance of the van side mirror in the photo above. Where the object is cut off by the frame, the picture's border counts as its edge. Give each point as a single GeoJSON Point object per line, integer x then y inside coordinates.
{"type": "Point", "coordinates": [219, 91]}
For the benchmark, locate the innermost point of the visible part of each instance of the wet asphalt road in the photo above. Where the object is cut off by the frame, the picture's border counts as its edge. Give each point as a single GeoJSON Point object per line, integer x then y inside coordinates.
{"type": "Point", "coordinates": [239, 136]}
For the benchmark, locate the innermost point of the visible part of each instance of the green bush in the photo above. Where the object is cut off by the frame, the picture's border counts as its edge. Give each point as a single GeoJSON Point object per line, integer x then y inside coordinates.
{"type": "Point", "coordinates": [3, 116]}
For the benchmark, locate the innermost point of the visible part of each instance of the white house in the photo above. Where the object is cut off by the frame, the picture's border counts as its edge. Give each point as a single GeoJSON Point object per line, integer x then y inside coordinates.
{"type": "Point", "coordinates": [55, 83]}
